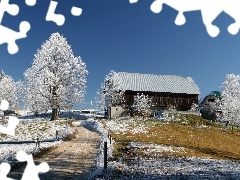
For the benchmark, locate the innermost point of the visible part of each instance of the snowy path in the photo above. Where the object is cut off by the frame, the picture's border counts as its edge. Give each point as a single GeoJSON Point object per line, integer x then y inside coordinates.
{"type": "Point", "coordinates": [71, 160]}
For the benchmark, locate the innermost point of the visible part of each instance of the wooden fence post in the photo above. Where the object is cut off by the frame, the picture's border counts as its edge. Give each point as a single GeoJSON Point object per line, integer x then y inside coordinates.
{"type": "Point", "coordinates": [37, 143]}
{"type": "Point", "coordinates": [105, 155]}
{"type": "Point", "coordinates": [56, 134]}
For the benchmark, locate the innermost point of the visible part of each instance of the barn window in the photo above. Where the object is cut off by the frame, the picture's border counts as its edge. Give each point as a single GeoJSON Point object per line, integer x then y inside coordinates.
{"type": "Point", "coordinates": [211, 100]}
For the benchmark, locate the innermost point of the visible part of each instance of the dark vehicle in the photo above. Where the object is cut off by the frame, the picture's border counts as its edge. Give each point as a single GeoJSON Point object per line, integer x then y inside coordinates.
{"type": "Point", "coordinates": [9, 113]}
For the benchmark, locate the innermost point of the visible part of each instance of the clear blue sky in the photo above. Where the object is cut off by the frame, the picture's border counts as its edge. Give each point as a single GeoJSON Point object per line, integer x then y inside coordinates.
{"type": "Point", "coordinates": [117, 35]}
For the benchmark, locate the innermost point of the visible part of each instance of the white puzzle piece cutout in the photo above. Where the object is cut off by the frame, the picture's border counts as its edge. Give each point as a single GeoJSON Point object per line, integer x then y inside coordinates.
{"type": "Point", "coordinates": [59, 19]}
{"type": "Point", "coordinates": [8, 35]}
{"type": "Point", "coordinates": [30, 2]}
{"type": "Point", "coordinates": [4, 170]}
{"type": "Point", "coordinates": [4, 105]}
{"type": "Point", "coordinates": [12, 124]}
{"type": "Point", "coordinates": [210, 10]}
{"type": "Point", "coordinates": [76, 11]}
{"type": "Point", "coordinates": [12, 121]}
{"type": "Point", "coordinates": [31, 171]}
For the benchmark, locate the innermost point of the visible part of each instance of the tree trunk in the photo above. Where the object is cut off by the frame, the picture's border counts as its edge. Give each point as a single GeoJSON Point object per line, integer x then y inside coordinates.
{"type": "Point", "coordinates": [54, 114]}
{"type": "Point", "coordinates": [227, 124]}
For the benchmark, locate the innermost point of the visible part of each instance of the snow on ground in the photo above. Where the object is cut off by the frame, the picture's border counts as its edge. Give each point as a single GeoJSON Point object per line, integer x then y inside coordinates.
{"type": "Point", "coordinates": [159, 168]}
{"type": "Point", "coordinates": [176, 168]}
{"type": "Point", "coordinates": [8, 152]}
{"type": "Point", "coordinates": [30, 130]}
{"type": "Point", "coordinates": [123, 125]}
{"type": "Point", "coordinates": [155, 148]}
{"type": "Point", "coordinates": [98, 127]}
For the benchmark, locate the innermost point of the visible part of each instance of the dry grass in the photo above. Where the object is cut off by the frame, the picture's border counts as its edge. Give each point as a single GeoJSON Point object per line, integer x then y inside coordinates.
{"type": "Point", "coordinates": [201, 137]}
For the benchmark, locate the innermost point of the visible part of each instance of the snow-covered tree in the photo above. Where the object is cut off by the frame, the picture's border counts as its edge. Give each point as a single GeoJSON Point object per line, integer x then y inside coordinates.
{"type": "Point", "coordinates": [230, 100]}
{"type": "Point", "coordinates": [141, 104]}
{"type": "Point", "coordinates": [110, 88]}
{"type": "Point", "coordinates": [57, 79]}
{"type": "Point", "coordinates": [100, 100]}
{"type": "Point", "coordinates": [110, 93]}
{"type": "Point", "coordinates": [21, 88]}
{"type": "Point", "coordinates": [194, 107]}
{"type": "Point", "coordinates": [211, 110]}
{"type": "Point", "coordinates": [8, 90]}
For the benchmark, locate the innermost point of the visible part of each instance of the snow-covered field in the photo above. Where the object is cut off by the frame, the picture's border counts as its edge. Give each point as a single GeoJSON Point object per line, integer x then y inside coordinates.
{"type": "Point", "coordinates": [155, 168]}
{"type": "Point", "coordinates": [158, 168]}
{"type": "Point", "coordinates": [30, 130]}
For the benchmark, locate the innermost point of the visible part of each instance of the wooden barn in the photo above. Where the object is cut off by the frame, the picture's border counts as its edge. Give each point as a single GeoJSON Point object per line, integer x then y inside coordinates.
{"type": "Point", "coordinates": [165, 90]}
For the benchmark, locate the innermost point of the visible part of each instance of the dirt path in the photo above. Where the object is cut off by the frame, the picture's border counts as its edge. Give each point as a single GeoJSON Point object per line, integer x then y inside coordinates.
{"type": "Point", "coordinates": [70, 160]}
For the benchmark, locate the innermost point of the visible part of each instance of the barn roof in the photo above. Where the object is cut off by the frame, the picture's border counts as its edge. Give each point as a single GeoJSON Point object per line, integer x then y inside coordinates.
{"type": "Point", "coordinates": [156, 83]}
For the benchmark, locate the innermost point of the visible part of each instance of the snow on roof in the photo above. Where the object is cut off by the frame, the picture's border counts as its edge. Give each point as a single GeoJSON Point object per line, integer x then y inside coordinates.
{"type": "Point", "coordinates": [156, 83]}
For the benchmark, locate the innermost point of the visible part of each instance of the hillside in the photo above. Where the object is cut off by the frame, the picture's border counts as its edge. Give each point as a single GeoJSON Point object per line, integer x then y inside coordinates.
{"type": "Point", "coordinates": [185, 144]}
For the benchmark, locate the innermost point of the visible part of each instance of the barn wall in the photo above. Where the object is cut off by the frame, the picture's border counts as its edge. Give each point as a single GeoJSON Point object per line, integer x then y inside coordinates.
{"type": "Point", "coordinates": [115, 111]}
{"type": "Point", "coordinates": [180, 101]}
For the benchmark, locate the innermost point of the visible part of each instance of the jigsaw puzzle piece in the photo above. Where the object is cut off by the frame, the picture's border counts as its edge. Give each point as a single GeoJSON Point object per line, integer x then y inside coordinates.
{"type": "Point", "coordinates": [31, 171]}
{"type": "Point", "coordinates": [30, 2]}
{"type": "Point", "coordinates": [4, 170]}
{"type": "Point", "coordinates": [180, 19]}
{"type": "Point", "coordinates": [233, 28]}
{"type": "Point", "coordinates": [4, 105]}
{"type": "Point", "coordinates": [9, 36]}
{"type": "Point", "coordinates": [208, 16]}
{"type": "Point", "coordinates": [12, 9]}
{"type": "Point", "coordinates": [209, 10]}
{"type": "Point", "coordinates": [133, 1]}
{"type": "Point", "coordinates": [76, 11]}
{"type": "Point", "coordinates": [59, 19]}
{"type": "Point", "coordinates": [156, 6]}
{"type": "Point", "coordinates": [12, 123]}
{"type": "Point", "coordinates": [232, 9]}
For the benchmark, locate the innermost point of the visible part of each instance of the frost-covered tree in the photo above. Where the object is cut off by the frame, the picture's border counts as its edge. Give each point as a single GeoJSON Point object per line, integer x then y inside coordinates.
{"type": "Point", "coordinates": [100, 100]}
{"type": "Point", "coordinates": [211, 110]}
{"type": "Point", "coordinates": [9, 90]}
{"type": "Point", "coordinates": [194, 107]}
{"type": "Point", "coordinates": [57, 79]}
{"type": "Point", "coordinates": [21, 88]}
{"type": "Point", "coordinates": [110, 93]}
{"type": "Point", "coordinates": [141, 104]}
{"type": "Point", "coordinates": [111, 90]}
{"type": "Point", "coordinates": [230, 100]}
